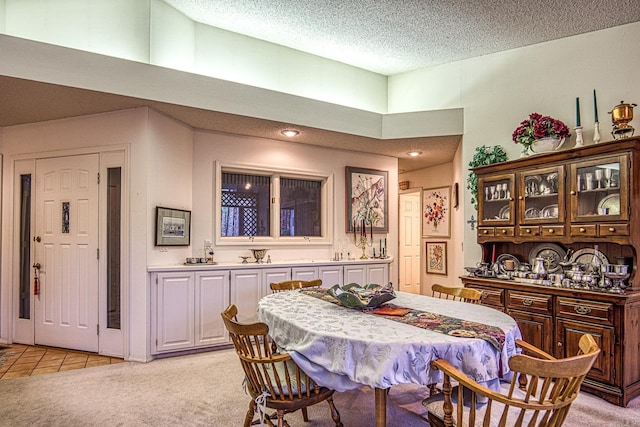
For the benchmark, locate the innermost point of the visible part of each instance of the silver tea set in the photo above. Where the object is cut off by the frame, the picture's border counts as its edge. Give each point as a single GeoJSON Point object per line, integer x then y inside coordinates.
{"type": "Point", "coordinates": [610, 278]}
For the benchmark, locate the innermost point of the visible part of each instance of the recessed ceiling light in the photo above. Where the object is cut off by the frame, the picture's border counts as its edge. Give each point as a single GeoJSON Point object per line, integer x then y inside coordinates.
{"type": "Point", "coordinates": [414, 153]}
{"type": "Point", "coordinates": [290, 132]}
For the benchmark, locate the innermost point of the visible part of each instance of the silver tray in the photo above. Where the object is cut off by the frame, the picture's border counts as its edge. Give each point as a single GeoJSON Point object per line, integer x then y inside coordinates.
{"type": "Point", "coordinates": [589, 257]}
{"type": "Point", "coordinates": [552, 253]}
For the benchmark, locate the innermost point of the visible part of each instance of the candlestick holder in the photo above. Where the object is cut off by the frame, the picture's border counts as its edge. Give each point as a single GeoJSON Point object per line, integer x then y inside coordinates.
{"type": "Point", "coordinates": [579, 141]}
{"type": "Point", "coordinates": [596, 133]}
{"type": "Point", "coordinates": [362, 242]}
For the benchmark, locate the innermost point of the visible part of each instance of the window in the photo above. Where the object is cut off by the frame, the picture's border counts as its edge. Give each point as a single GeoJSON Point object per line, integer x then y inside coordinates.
{"type": "Point", "coordinates": [272, 206]}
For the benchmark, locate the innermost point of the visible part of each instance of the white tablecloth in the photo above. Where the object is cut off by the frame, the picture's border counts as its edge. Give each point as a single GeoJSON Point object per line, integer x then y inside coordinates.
{"type": "Point", "coordinates": [344, 349]}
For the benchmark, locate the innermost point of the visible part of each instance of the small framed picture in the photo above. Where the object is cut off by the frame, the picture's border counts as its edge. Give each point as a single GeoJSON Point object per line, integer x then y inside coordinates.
{"type": "Point", "coordinates": [437, 258]}
{"type": "Point", "coordinates": [173, 227]}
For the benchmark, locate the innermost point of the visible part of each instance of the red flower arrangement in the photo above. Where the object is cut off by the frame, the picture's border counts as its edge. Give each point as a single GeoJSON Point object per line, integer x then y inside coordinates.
{"type": "Point", "coordinates": [538, 126]}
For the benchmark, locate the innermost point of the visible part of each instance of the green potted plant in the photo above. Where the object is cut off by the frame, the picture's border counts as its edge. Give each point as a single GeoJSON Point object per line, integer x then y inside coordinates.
{"type": "Point", "coordinates": [484, 156]}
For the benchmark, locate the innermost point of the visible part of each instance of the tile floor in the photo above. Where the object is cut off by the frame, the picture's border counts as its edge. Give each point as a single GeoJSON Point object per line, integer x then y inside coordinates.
{"type": "Point", "coordinates": [18, 360]}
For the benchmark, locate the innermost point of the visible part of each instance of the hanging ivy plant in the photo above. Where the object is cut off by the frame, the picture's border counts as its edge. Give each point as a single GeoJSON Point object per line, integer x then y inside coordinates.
{"type": "Point", "coordinates": [484, 156]}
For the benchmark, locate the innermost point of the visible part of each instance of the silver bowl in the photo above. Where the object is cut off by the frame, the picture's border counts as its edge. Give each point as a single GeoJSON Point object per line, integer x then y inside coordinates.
{"type": "Point", "coordinates": [259, 254]}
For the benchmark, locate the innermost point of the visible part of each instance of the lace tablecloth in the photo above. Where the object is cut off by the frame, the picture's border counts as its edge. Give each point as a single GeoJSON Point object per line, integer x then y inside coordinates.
{"type": "Point", "coordinates": [343, 349]}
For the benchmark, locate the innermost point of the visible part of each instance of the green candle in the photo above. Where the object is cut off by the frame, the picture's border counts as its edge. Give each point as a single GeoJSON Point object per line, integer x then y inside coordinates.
{"type": "Point", "coordinates": [577, 111]}
{"type": "Point", "coordinates": [595, 106]}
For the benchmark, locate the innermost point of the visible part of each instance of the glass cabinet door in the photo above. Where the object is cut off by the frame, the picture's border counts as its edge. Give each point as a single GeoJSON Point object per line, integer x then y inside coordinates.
{"type": "Point", "coordinates": [496, 200]}
{"type": "Point", "coordinates": [541, 196]}
{"type": "Point", "coordinates": [599, 189]}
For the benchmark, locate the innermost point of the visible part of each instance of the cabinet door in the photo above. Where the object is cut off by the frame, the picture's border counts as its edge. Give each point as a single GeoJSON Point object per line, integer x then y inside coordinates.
{"type": "Point", "coordinates": [211, 299]}
{"type": "Point", "coordinates": [496, 200]}
{"type": "Point", "coordinates": [536, 329]}
{"type": "Point", "coordinates": [356, 273]}
{"type": "Point", "coordinates": [568, 333]}
{"type": "Point", "coordinates": [304, 273]}
{"type": "Point", "coordinates": [174, 309]}
{"type": "Point", "coordinates": [274, 275]}
{"type": "Point", "coordinates": [599, 189]}
{"type": "Point", "coordinates": [246, 290]}
{"type": "Point", "coordinates": [378, 274]}
{"type": "Point", "coordinates": [330, 275]}
{"type": "Point", "coordinates": [541, 196]}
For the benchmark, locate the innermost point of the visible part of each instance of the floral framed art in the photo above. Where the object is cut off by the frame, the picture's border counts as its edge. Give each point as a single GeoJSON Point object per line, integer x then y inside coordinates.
{"type": "Point", "coordinates": [173, 227]}
{"type": "Point", "coordinates": [436, 212]}
{"type": "Point", "coordinates": [367, 201]}
{"type": "Point", "coordinates": [436, 258]}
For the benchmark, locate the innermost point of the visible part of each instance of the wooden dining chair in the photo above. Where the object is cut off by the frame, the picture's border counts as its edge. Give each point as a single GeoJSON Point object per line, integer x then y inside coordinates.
{"type": "Point", "coordinates": [290, 285]}
{"type": "Point", "coordinates": [273, 379]}
{"type": "Point", "coordinates": [458, 294]}
{"type": "Point", "coordinates": [543, 399]}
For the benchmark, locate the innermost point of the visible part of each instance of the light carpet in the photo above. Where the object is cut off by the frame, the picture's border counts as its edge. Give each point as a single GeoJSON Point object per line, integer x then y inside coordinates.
{"type": "Point", "coordinates": [206, 389]}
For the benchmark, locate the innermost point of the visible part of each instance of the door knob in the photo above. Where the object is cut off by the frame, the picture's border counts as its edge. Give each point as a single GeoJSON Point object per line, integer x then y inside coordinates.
{"type": "Point", "coordinates": [37, 239]}
{"type": "Point", "coordinates": [37, 266]}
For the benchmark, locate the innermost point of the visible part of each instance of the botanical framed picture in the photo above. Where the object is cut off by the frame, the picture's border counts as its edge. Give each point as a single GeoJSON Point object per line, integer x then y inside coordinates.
{"type": "Point", "coordinates": [436, 212]}
{"type": "Point", "coordinates": [173, 227]}
{"type": "Point", "coordinates": [436, 258]}
{"type": "Point", "coordinates": [367, 200]}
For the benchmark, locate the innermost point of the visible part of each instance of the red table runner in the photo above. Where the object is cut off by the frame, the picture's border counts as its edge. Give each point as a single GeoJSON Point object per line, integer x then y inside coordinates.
{"type": "Point", "coordinates": [425, 320]}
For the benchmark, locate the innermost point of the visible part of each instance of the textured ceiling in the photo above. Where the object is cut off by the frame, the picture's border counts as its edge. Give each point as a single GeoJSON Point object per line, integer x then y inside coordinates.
{"type": "Point", "coordinates": [394, 36]}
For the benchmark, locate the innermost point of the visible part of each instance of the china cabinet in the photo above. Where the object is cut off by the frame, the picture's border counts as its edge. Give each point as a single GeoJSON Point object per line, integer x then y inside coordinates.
{"type": "Point", "coordinates": [576, 206]}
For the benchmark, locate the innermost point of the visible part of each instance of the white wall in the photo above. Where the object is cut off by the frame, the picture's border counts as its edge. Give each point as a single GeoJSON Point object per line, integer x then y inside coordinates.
{"type": "Point", "coordinates": [112, 27]}
{"type": "Point", "coordinates": [498, 91]}
{"type": "Point", "coordinates": [149, 31]}
{"type": "Point", "coordinates": [210, 146]}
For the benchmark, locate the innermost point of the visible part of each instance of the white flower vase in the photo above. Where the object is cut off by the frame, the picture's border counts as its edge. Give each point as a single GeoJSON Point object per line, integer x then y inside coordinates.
{"type": "Point", "coordinates": [545, 145]}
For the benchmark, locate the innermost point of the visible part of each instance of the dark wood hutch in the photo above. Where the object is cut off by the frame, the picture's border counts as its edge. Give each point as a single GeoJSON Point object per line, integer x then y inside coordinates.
{"type": "Point", "coordinates": [578, 199]}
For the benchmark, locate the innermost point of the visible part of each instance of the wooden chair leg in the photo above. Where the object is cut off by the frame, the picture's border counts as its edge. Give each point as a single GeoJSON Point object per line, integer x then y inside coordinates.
{"type": "Point", "coordinates": [305, 416]}
{"type": "Point", "coordinates": [335, 415]}
{"type": "Point", "coordinates": [280, 418]}
{"type": "Point", "coordinates": [249, 417]}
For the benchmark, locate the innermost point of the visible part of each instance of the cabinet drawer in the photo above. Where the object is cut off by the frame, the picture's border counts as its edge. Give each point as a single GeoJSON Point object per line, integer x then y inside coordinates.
{"type": "Point", "coordinates": [614, 229]}
{"type": "Point", "coordinates": [505, 231]}
{"type": "Point", "coordinates": [486, 231]}
{"type": "Point", "coordinates": [585, 310]}
{"type": "Point", "coordinates": [584, 230]}
{"type": "Point", "coordinates": [529, 231]}
{"type": "Point", "coordinates": [529, 302]}
{"type": "Point", "coordinates": [491, 297]}
{"type": "Point", "coordinates": [552, 230]}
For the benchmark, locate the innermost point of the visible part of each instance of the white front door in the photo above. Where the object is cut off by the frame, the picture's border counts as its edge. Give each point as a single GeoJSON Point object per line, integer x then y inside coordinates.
{"type": "Point", "coordinates": [66, 248]}
{"type": "Point", "coordinates": [409, 242]}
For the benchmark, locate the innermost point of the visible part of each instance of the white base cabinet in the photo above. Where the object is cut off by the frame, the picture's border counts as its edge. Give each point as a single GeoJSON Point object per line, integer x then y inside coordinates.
{"type": "Point", "coordinates": [187, 302]}
{"type": "Point", "coordinates": [187, 310]}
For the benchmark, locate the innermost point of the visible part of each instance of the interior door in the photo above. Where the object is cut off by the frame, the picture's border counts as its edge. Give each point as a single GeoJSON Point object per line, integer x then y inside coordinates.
{"type": "Point", "coordinates": [66, 251]}
{"type": "Point", "coordinates": [409, 245]}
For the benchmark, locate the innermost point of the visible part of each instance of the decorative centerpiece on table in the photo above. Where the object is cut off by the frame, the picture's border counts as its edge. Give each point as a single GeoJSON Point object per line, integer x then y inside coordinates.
{"type": "Point", "coordinates": [540, 134]}
{"type": "Point", "coordinates": [356, 296]}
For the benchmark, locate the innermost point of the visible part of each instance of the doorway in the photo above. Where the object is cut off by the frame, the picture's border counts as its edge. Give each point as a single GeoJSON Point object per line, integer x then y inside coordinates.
{"type": "Point", "coordinates": [409, 235]}
{"type": "Point", "coordinates": [65, 254]}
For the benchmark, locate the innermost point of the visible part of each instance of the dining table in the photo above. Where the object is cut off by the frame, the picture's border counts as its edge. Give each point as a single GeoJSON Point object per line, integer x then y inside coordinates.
{"type": "Point", "coordinates": [345, 348]}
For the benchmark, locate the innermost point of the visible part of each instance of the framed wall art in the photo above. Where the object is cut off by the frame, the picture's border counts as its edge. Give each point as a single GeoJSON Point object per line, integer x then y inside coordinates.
{"type": "Point", "coordinates": [436, 258]}
{"type": "Point", "coordinates": [436, 212]}
{"type": "Point", "coordinates": [173, 227]}
{"type": "Point", "coordinates": [367, 200]}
